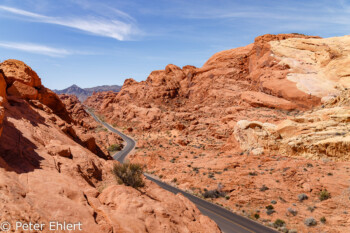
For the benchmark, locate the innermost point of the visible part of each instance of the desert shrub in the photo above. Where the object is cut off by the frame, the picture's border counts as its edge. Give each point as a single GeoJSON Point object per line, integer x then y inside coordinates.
{"type": "Point", "coordinates": [311, 208]}
{"type": "Point", "coordinates": [292, 211]}
{"type": "Point", "coordinates": [129, 174]}
{"type": "Point", "coordinates": [324, 195]}
{"type": "Point", "coordinates": [323, 220]}
{"type": "Point", "coordinates": [279, 223]}
{"type": "Point", "coordinates": [302, 197]}
{"type": "Point", "coordinates": [253, 173]}
{"type": "Point", "coordinates": [213, 194]}
{"type": "Point", "coordinates": [102, 118]}
{"type": "Point", "coordinates": [310, 222]}
{"type": "Point", "coordinates": [264, 188]}
{"type": "Point", "coordinates": [100, 128]}
{"type": "Point", "coordinates": [211, 175]}
{"type": "Point", "coordinates": [270, 210]}
{"type": "Point", "coordinates": [256, 216]}
{"type": "Point", "coordinates": [115, 147]}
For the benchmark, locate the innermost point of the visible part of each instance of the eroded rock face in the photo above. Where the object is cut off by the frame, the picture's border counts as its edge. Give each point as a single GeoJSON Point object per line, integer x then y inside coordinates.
{"type": "Point", "coordinates": [47, 175]}
{"type": "Point", "coordinates": [50, 99]}
{"type": "Point", "coordinates": [23, 91]}
{"type": "Point", "coordinates": [234, 123]}
{"type": "Point", "coordinates": [136, 208]}
{"type": "Point", "coordinates": [24, 83]}
{"type": "Point", "coordinates": [321, 133]}
{"type": "Point", "coordinates": [258, 99]}
{"type": "Point", "coordinates": [91, 134]}
{"type": "Point", "coordinates": [318, 66]}
{"type": "Point", "coordinates": [15, 70]}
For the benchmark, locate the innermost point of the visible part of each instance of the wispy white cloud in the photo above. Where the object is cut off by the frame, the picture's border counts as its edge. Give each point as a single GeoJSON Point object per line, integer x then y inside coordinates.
{"type": "Point", "coordinates": [21, 12]}
{"type": "Point", "coordinates": [36, 48]}
{"type": "Point", "coordinates": [101, 8]}
{"type": "Point", "coordinates": [100, 26]}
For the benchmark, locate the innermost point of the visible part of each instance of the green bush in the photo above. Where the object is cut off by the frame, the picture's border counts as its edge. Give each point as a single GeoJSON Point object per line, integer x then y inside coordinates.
{"type": "Point", "coordinates": [279, 223]}
{"type": "Point", "coordinates": [129, 174]}
{"type": "Point", "coordinates": [114, 147]}
{"type": "Point", "coordinates": [323, 220]}
{"type": "Point", "coordinates": [324, 195]}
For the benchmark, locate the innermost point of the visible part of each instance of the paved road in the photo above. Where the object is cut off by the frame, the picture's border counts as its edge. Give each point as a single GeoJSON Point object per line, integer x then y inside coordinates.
{"type": "Point", "coordinates": [227, 221]}
{"type": "Point", "coordinates": [130, 143]}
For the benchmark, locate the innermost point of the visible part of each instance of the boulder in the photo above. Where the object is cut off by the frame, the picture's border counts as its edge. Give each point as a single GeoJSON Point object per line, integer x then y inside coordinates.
{"type": "Point", "coordinates": [15, 70]}
{"type": "Point", "coordinates": [23, 91]}
{"type": "Point", "coordinates": [56, 148]}
{"type": "Point", "coordinates": [50, 99]}
{"type": "Point", "coordinates": [259, 99]}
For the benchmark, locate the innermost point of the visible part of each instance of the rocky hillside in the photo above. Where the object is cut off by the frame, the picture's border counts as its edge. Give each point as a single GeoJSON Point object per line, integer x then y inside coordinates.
{"type": "Point", "coordinates": [256, 121]}
{"type": "Point", "coordinates": [97, 138]}
{"type": "Point", "coordinates": [84, 93]}
{"type": "Point", "coordinates": [50, 170]}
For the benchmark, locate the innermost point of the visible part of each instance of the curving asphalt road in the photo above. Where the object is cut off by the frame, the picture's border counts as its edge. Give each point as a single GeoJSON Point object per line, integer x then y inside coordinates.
{"type": "Point", "coordinates": [227, 221]}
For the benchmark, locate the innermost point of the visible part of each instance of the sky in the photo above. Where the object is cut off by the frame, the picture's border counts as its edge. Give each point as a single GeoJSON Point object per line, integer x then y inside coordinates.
{"type": "Point", "coordinates": [91, 43]}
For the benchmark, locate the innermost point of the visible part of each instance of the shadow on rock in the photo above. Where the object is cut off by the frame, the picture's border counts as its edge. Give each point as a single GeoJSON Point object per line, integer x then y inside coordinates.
{"type": "Point", "coordinates": [17, 153]}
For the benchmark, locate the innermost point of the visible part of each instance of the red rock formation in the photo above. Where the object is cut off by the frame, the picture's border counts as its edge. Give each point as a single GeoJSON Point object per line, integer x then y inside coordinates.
{"type": "Point", "coordinates": [47, 175]}
{"type": "Point", "coordinates": [91, 134]}
{"type": "Point", "coordinates": [184, 120]}
{"type": "Point", "coordinates": [23, 82]}
{"type": "Point", "coordinates": [15, 70]}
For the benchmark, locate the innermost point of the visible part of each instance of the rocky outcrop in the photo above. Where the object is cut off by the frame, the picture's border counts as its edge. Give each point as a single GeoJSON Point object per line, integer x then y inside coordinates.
{"type": "Point", "coordinates": [259, 99]}
{"type": "Point", "coordinates": [48, 172]}
{"type": "Point", "coordinates": [136, 209]}
{"type": "Point", "coordinates": [90, 134]}
{"type": "Point", "coordinates": [76, 109]}
{"type": "Point", "coordinates": [318, 67]}
{"type": "Point", "coordinates": [15, 70]}
{"type": "Point", "coordinates": [244, 121]}
{"type": "Point", "coordinates": [321, 133]}
{"type": "Point", "coordinates": [24, 83]}
{"type": "Point", "coordinates": [23, 91]}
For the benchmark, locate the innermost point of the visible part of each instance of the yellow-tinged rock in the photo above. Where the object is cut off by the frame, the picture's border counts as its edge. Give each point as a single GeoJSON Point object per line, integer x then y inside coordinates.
{"type": "Point", "coordinates": [320, 67]}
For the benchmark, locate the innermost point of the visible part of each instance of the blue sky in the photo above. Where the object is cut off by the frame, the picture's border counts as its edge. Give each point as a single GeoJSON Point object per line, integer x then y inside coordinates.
{"type": "Point", "coordinates": [89, 43]}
